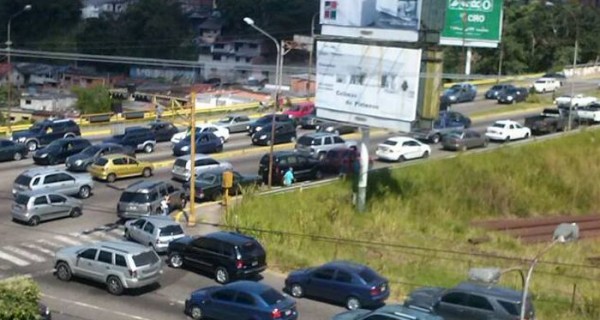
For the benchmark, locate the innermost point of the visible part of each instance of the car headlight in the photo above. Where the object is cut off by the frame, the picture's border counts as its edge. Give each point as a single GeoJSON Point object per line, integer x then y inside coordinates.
{"type": "Point", "coordinates": [78, 162]}
{"type": "Point", "coordinates": [452, 98]}
{"type": "Point", "coordinates": [264, 136]}
{"type": "Point", "coordinates": [258, 128]}
{"type": "Point", "coordinates": [247, 127]}
{"type": "Point", "coordinates": [509, 97]}
{"type": "Point", "coordinates": [21, 139]}
{"type": "Point", "coordinates": [185, 148]}
{"type": "Point", "coordinates": [329, 129]}
{"type": "Point", "coordinates": [43, 155]}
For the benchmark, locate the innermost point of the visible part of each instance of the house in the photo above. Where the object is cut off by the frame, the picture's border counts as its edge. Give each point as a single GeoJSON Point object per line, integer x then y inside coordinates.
{"type": "Point", "coordinates": [94, 8]}
{"type": "Point", "coordinates": [210, 31]}
{"type": "Point", "coordinates": [49, 101]}
{"type": "Point", "coordinates": [236, 51]}
{"type": "Point", "coordinates": [172, 74]}
{"type": "Point", "coordinates": [39, 74]}
{"type": "Point", "coordinates": [10, 74]}
{"type": "Point", "coordinates": [85, 77]}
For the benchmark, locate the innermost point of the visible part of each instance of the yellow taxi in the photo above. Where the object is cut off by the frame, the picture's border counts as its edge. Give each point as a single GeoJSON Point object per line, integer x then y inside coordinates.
{"type": "Point", "coordinates": [114, 166]}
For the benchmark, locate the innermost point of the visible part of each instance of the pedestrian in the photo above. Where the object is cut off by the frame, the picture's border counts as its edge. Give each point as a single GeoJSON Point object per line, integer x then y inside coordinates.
{"type": "Point", "coordinates": [159, 111]}
{"type": "Point", "coordinates": [164, 205]}
{"type": "Point", "coordinates": [288, 178]}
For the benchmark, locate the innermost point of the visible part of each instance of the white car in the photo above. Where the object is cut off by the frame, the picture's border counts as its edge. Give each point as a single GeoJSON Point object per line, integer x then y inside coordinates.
{"type": "Point", "coordinates": [402, 148]}
{"type": "Point", "coordinates": [507, 130]}
{"type": "Point", "coordinates": [543, 85]}
{"type": "Point", "coordinates": [578, 100]}
{"type": "Point", "coordinates": [218, 131]}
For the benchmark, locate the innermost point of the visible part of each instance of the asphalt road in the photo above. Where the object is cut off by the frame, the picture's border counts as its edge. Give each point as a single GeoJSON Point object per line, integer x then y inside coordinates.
{"type": "Point", "coordinates": [26, 250]}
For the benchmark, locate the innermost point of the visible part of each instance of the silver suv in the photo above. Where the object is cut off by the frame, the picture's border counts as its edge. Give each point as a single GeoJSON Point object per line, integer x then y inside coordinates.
{"type": "Point", "coordinates": [317, 144]}
{"type": "Point", "coordinates": [34, 206]}
{"type": "Point", "coordinates": [182, 167]}
{"type": "Point", "coordinates": [119, 264]}
{"type": "Point", "coordinates": [155, 232]}
{"type": "Point", "coordinates": [143, 198]}
{"type": "Point", "coordinates": [55, 180]}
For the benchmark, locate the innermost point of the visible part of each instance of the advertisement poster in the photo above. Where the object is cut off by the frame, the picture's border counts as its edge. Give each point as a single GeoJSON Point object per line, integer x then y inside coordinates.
{"type": "Point", "coordinates": [367, 85]}
{"type": "Point", "coordinates": [473, 23]}
{"type": "Point", "coordinates": [396, 20]}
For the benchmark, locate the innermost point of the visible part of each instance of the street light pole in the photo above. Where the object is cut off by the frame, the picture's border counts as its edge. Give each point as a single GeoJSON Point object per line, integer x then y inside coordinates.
{"type": "Point", "coordinates": [278, 72]}
{"type": "Point", "coordinates": [9, 80]}
{"type": "Point", "coordinates": [310, 52]}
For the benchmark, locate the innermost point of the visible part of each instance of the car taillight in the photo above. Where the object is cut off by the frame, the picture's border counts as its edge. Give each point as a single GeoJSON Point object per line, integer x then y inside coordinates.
{"type": "Point", "coordinates": [375, 291]}
{"type": "Point", "coordinates": [239, 264]}
{"type": "Point", "coordinates": [133, 273]}
{"type": "Point", "coordinates": [276, 314]}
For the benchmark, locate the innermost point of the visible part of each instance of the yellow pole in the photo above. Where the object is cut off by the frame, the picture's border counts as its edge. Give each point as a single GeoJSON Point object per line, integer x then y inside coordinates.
{"type": "Point", "coordinates": [192, 213]}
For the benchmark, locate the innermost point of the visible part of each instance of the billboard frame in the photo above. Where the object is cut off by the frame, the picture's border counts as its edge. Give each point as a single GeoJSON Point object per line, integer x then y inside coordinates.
{"type": "Point", "coordinates": [466, 26]}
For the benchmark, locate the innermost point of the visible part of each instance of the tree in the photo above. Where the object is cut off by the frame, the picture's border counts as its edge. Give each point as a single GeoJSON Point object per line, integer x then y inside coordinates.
{"type": "Point", "coordinates": [19, 299]}
{"type": "Point", "coordinates": [93, 100]}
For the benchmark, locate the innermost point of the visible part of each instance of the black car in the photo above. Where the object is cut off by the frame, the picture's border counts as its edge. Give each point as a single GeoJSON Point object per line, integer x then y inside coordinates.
{"type": "Point", "coordinates": [163, 131]}
{"type": "Point", "coordinates": [305, 167]}
{"type": "Point", "coordinates": [138, 138]}
{"type": "Point", "coordinates": [81, 161]}
{"type": "Point", "coordinates": [496, 90]}
{"type": "Point", "coordinates": [513, 95]}
{"type": "Point", "coordinates": [9, 150]}
{"type": "Point", "coordinates": [44, 132]}
{"type": "Point", "coordinates": [264, 123]}
{"type": "Point", "coordinates": [227, 255]}
{"type": "Point", "coordinates": [309, 122]}
{"type": "Point", "coordinates": [59, 150]}
{"type": "Point", "coordinates": [284, 132]}
{"type": "Point", "coordinates": [209, 184]}
{"type": "Point", "coordinates": [337, 128]}
{"type": "Point", "coordinates": [206, 142]}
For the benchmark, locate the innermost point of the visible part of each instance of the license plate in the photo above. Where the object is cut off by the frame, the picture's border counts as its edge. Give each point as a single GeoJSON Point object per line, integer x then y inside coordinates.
{"type": "Point", "coordinates": [255, 263]}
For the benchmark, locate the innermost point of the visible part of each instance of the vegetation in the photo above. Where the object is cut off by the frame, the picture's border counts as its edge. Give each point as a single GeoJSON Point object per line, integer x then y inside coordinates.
{"type": "Point", "coordinates": [18, 299]}
{"type": "Point", "coordinates": [93, 100]}
{"type": "Point", "coordinates": [418, 223]}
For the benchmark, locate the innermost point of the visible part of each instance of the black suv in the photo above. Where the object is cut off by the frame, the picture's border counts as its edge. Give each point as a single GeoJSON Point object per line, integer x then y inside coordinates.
{"type": "Point", "coordinates": [264, 123]}
{"type": "Point", "coordinates": [471, 300]}
{"type": "Point", "coordinates": [284, 132]}
{"type": "Point", "coordinates": [163, 131]}
{"type": "Point", "coordinates": [44, 132]}
{"type": "Point", "coordinates": [58, 151]}
{"type": "Point", "coordinates": [138, 138]}
{"type": "Point", "coordinates": [227, 255]}
{"type": "Point", "coordinates": [305, 167]}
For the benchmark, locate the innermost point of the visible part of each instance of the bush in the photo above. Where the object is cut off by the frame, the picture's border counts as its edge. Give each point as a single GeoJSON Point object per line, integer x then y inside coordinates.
{"type": "Point", "coordinates": [19, 299]}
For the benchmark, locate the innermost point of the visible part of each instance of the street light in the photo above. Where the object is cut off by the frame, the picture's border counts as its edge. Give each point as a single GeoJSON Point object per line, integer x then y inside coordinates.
{"type": "Point", "coordinates": [27, 7]}
{"type": "Point", "coordinates": [278, 66]}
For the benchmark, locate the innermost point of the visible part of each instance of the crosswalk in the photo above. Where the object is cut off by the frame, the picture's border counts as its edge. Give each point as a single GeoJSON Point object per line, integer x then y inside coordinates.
{"type": "Point", "coordinates": [17, 257]}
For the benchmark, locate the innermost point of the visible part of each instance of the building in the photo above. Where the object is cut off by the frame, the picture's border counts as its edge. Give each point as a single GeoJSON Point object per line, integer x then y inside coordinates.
{"type": "Point", "coordinates": [39, 74]}
{"type": "Point", "coordinates": [210, 31]}
{"type": "Point", "coordinates": [12, 75]}
{"type": "Point", "coordinates": [84, 77]}
{"type": "Point", "coordinates": [94, 8]}
{"type": "Point", "coordinates": [299, 83]}
{"type": "Point", "coordinates": [49, 101]}
{"type": "Point", "coordinates": [171, 74]}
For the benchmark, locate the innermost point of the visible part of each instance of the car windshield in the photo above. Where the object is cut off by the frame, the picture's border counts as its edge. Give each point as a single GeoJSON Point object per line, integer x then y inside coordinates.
{"type": "Point", "coordinates": [38, 126]}
{"type": "Point", "coordinates": [101, 162]}
{"type": "Point", "coordinates": [171, 230]}
{"type": "Point", "coordinates": [390, 142]}
{"type": "Point", "coordinates": [134, 197]}
{"type": "Point", "coordinates": [56, 144]}
{"type": "Point", "coordinates": [22, 199]}
{"type": "Point", "coordinates": [455, 87]}
{"type": "Point", "coordinates": [455, 134]}
{"type": "Point", "coordinates": [512, 90]}
{"type": "Point", "coordinates": [225, 120]}
{"type": "Point", "coordinates": [264, 119]}
{"type": "Point", "coordinates": [498, 125]}
{"type": "Point", "coordinates": [250, 248]}
{"type": "Point", "coordinates": [91, 150]}
{"type": "Point", "coordinates": [145, 258]}
{"type": "Point", "coordinates": [23, 180]}
{"type": "Point", "coordinates": [271, 296]}
{"type": "Point", "coordinates": [180, 163]}
{"type": "Point", "coordinates": [368, 275]}
{"type": "Point", "coordinates": [207, 178]}
{"type": "Point", "coordinates": [306, 141]}
{"type": "Point", "coordinates": [497, 87]}
{"type": "Point", "coordinates": [295, 108]}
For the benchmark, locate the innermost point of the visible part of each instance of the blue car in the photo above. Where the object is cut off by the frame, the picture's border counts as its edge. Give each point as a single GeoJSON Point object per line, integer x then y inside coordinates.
{"type": "Point", "coordinates": [348, 283]}
{"type": "Point", "coordinates": [206, 142]}
{"type": "Point", "coordinates": [389, 312]}
{"type": "Point", "coordinates": [240, 300]}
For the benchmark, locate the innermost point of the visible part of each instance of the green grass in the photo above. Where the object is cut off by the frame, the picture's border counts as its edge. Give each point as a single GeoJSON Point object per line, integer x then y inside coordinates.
{"type": "Point", "coordinates": [425, 210]}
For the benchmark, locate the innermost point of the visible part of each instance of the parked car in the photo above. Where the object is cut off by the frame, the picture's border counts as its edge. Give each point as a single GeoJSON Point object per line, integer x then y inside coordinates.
{"type": "Point", "coordinates": [576, 101]}
{"type": "Point", "coordinates": [182, 166]}
{"type": "Point", "coordinates": [206, 142]}
{"type": "Point", "coordinates": [209, 184]}
{"type": "Point", "coordinates": [543, 85]}
{"type": "Point", "coordinates": [317, 144]}
{"type": "Point", "coordinates": [10, 150]}
{"type": "Point", "coordinates": [463, 140]}
{"type": "Point", "coordinates": [265, 122]}
{"type": "Point", "coordinates": [507, 130]}
{"type": "Point", "coordinates": [120, 265]}
{"type": "Point", "coordinates": [447, 121]}
{"type": "Point", "coordinates": [163, 131]}
{"type": "Point", "coordinates": [389, 312]}
{"type": "Point", "coordinates": [59, 150]}
{"type": "Point", "coordinates": [32, 207]}
{"type": "Point", "coordinates": [234, 123]}
{"type": "Point", "coordinates": [590, 113]}
{"type": "Point", "coordinates": [496, 90]}
{"type": "Point", "coordinates": [240, 300]}
{"type": "Point", "coordinates": [336, 128]}
{"type": "Point", "coordinates": [82, 160]}
{"type": "Point", "coordinates": [44, 132]}
{"type": "Point", "coordinates": [59, 181]}
{"type": "Point", "coordinates": [305, 167]}
{"type": "Point", "coordinates": [513, 95]}
{"type": "Point", "coordinates": [551, 120]}
{"type": "Point", "coordinates": [227, 255]}
{"type": "Point", "coordinates": [284, 132]}
{"type": "Point", "coordinates": [142, 198]}
{"type": "Point", "coordinates": [460, 92]}
{"type": "Point", "coordinates": [300, 109]}
{"type": "Point", "coordinates": [155, 232]}
{"type": "Point", "coordinates": [350, 283]}
{"type": "Point", "coordinates": [470, 300]}
{"type": "Point", "coordinates": [138, 138]}
{"type": "Point", "coordinates": [341, 160]}
{"type": "Point", "coordinates": [117, 166]}
{"type": "Point", "coordinates": [401, 149]}
{"type": "Point", "coordinates": [202, 128]}
{"type": "Point", "coordinates": [310, 122]}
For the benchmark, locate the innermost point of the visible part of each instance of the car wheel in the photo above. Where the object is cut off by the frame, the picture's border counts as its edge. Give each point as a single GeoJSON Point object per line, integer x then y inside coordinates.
{"type": "Point", "coordinates": [352, 303]}
{"type": "Point", "coordinates": [175, 260]}
{"type": "Point", "coordinates": [84, 192]}
{"type": "Point", "coordinates": [147, 172]}
{"type": "Point", "coordinates": [32, 145]}
{"type": "Point", "coordinates": [527, 135]}
{"type": "Point", "coordinates": [114, 286]}
{"type": "Point", "coordinates": [318, 175]}
{"type": "Point", "coordinates": [17, 156]}
{"type": "Point", "coordinates": [148, 148]}
{"type": "Point", "coordinates": [436, 138]}
{"type": "Point", "coordinates": [221, 275]}
{"type": "Point", "coordinates": [507, 139]}
{"type": "Point", "coordinates": [196, 312]}
{"type": "Point", "coordinates": [111, 177]}
{"type": "Point", "coordinates": [34, 221]}
{"type": "Point", "coordinates": [400, 158]}
{"type": "Point", "coordinates": [69, 135]}
{"type": "Point", "coordinates": [63, 271]}
{"type": "Point", "coordinates": [75, 212]}
{"type": "Point", "coordinates": [425, 155]}
{"type": "Point", "coordinates": [297, 291]}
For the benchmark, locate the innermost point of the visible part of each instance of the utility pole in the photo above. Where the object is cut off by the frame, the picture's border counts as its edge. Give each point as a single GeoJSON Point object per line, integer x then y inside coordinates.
{"type": "Point", "coordinates": [192, 213]}
{"type": "Point", "coordinates": [364, 170]}
{"type": "Point", "coordinates": [310, 52]}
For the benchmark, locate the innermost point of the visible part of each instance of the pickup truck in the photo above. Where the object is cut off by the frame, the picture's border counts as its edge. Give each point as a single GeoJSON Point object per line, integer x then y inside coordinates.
{"type": "Point", "coordinates": [590, 113]}
{"type": "Point", "coordinates": [460, 92]}
{"type": "Point", "coordinates": [447, 121]}
{"type": "Point", "coordinates": [550, 120]}
{"type": "Point", "coordinates": [578, 100]}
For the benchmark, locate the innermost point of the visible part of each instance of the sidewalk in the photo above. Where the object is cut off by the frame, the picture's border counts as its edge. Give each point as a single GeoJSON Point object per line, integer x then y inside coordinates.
{"type": "Point", "coordinates": [207, 216]}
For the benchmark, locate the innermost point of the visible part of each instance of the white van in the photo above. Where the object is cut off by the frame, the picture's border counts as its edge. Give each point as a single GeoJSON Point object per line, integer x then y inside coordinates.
{"type": "Point", "coordinates": [543, 85]}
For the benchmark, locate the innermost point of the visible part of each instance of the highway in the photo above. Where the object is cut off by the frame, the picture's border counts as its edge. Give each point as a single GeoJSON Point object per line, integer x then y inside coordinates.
{"type": "Point", "coordinates": [27, 250]}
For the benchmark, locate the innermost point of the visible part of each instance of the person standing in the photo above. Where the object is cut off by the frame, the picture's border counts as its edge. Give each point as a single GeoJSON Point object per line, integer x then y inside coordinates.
{"type": "Point", "coordinates": [164, 205]}
{"type": "Point", "coordinates": [288, 178]}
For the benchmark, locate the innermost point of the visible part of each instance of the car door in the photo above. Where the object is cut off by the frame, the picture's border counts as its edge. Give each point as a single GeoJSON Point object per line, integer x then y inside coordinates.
{"type": "Point", "coordinates": [6, 150]}
{"type": "Point", "coordinates": [59, 205]}
{"type": "Point", "coordinates": [42, 208]}
{"type": "Point", "coordinates": [479, 308]}
{"type": "Point", "coordinates": [221, 305]}
{"type": "Point", "coordinates": [147, 234]}
{"type": "Point", "coordinates": [240, 123]}
{"type": "Point", "coordinates": [120, 167]}
{"type": "Point", "coordinates": [245, 305]}
{"type": "Point", "coordinates": [453, 306]}
{"type": "Point", "coordinates": [159, 131]}
{"type": "Point", "coordinates": [133, 166]}
{"type": "Point", "coordinates": [302, 168]}
{"type": "Point", "coordinates": [135, 229]}
{"type": "Point", "coordinates": [197, 254]}
{"type": "Point", "coordinates": [85, 262]}
{"type": "Point", "coordinates": [522, 131]}
{"type": "Point", "coordinates": [52, 182]}
{"type": "Point", "coordinates": [327, 143]}
{"type": "Point", "coordinates": [102, 265]}
{"type": "Point", "coordinates": [342, 285]}
{"type": "Point", "coordinates": [408, 150]}
{"type": "Point", "coordinates": [320, 283]}
{"type": "Point", "coordinates": [202, 144]}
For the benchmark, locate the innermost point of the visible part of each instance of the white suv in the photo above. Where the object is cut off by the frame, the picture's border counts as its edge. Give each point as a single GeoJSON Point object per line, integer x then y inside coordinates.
{"type": "Point", "coordinates": [543, 85]}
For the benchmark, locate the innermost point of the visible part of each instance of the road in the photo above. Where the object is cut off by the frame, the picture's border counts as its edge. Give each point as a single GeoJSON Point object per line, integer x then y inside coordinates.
{"type": "Point", "coordinates": [26, 250]}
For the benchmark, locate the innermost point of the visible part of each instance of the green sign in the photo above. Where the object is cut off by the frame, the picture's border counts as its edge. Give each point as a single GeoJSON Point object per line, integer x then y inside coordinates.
{"type": "Point", "coordinates": [473, 21]}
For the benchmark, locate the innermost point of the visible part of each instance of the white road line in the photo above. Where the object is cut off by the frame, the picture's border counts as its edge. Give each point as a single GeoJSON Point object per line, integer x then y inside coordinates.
{"type": "Point", "coordinates": [38, 248]}
{"type": "Point", "coordinates": [12, 259]}
{"type": "Point", "coordinates": [93, 307]}
{"type": "Point", "coordinates": [50, 243]}
{"type": "Point", "coordinates": [67, 240]}
{"type": "Point", "coordinates": [24, 253]}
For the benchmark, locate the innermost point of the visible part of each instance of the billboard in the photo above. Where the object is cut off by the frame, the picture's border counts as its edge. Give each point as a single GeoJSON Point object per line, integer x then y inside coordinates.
{"type": "Point", "coordinates": [367, 85]}
{"type": "Point", "coordinates": [391, 20]}
{"type": "Point", "coordinates": [473, 23]}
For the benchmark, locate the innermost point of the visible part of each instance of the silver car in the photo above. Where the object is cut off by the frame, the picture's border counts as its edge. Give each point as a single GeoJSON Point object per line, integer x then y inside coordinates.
{"type": "Point", "coordinates": [234, 122]}
{"type": "Point", "coordinates": [119, 264]}
{"type": "Point", "coordinates": [55, 180]}
{"type": "Point", "coordinates": [318, 143]}
{"type": "Point", "coordinates": [155, 232]}
{"type": "Point", "coordinates": [182, 167]}
{"type": "Point", "coordinates": [142, 198]}
{"type": "Point", "coordinates": [32, 207]}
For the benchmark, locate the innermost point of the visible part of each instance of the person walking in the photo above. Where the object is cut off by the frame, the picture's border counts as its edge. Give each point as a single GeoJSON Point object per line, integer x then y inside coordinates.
{"type": "Point", "coordinates": [288, 178]}
{"type": "Point", "coordinates": [164, 205]}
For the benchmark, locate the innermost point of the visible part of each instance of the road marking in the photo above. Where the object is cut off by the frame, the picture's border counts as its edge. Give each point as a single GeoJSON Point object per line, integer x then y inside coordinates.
{"type": "Point", "coordinates": [12, 259]}
{"type": "Point", "coordinates": [50, 243]}
{"type": "Point", "coordinates": [93, 307]}
{"type": "Point", "coordinates": [38, 248]}
{"type": "Point", "coordinates": [24, 253]}
{"type": "Point", "coordinates": [67, 240]}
